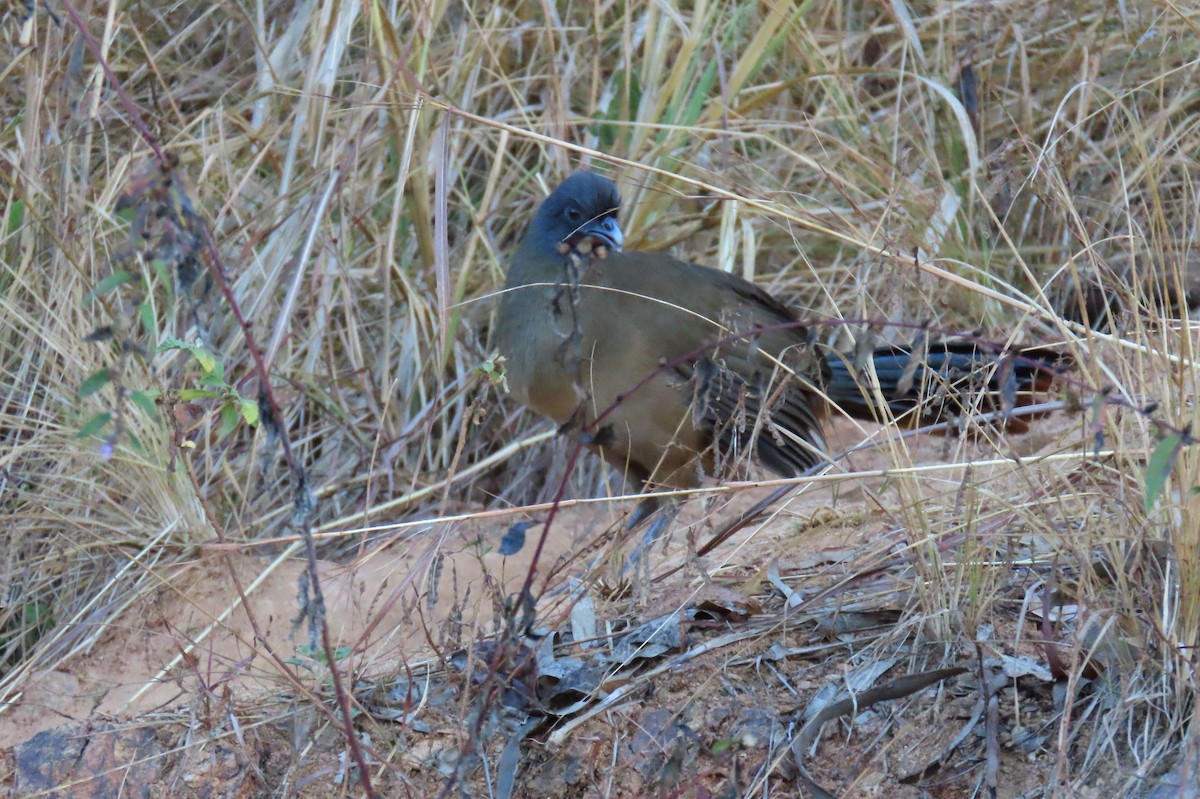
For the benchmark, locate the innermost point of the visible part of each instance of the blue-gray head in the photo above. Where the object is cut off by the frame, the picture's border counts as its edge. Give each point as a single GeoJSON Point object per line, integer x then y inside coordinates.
{"type": "Point", "coordinates": [584, 206]}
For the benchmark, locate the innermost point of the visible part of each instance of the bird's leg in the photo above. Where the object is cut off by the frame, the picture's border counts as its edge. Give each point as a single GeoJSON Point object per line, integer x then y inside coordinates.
{"type": "Point", "coordinates": [642, 511]}
{"type": "Point", "coordinates": [660, 515]}
{"type": "Point", "coordinates": [660, 521]}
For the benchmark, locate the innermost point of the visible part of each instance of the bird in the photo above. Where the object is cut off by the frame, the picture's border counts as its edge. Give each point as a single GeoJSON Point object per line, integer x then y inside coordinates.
{"type": "Point", "coordinates": [674, 372]}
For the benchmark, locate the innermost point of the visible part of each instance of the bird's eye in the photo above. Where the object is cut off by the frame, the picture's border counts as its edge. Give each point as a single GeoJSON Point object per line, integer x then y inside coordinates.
{"type": "Point", "coordinates": [573, 215]}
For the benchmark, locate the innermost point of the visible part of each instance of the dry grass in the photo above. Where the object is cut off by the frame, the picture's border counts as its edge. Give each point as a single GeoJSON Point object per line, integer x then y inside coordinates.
{"type": "Point", "coordinates": [363, 170]}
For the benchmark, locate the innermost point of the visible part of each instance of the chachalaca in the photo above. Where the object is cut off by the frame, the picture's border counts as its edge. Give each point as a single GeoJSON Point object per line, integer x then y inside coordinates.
{"type": "Point", "coordinates": [672, 371]}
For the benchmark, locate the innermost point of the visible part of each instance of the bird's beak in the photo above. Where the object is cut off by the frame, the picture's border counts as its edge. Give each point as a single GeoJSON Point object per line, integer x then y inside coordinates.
{"type": "Point", "coordinates": [605, 230]}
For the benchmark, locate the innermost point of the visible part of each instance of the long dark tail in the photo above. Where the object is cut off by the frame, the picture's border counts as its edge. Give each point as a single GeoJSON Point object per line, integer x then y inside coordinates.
{"type": "Point", "coordinates": [942, 381]}
{"type": "Point", "coordinates": [922, 386]}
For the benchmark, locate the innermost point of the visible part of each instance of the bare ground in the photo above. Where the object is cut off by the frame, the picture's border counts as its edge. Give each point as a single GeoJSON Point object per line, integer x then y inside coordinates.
{"type": "Point", "coordinates": [704, 711]}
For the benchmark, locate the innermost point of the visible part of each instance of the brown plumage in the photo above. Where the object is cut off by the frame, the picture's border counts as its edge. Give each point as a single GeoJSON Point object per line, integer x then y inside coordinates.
{"type": "Point", "coordinates": [686, 368]}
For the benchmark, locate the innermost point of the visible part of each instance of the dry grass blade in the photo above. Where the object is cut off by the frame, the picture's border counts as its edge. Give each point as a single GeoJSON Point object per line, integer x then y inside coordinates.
{"type": "Point", "coordinates": [365, 170]}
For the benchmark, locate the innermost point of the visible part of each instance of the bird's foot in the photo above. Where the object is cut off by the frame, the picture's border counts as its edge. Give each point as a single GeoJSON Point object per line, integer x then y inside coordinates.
{"type": "Point", "coordinates": [660, 515]}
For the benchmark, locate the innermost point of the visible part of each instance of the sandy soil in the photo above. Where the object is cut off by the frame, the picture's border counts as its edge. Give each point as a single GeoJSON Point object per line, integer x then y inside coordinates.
{"type": "Point", "coordinates": [192, 663]}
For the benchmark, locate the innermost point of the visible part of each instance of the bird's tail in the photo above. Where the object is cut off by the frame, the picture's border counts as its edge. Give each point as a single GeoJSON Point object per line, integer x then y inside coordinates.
{"type": "Point", "coordinates": [939, 382]}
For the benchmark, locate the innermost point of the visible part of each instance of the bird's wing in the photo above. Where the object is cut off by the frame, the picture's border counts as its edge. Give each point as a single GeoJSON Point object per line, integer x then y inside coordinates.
{"type": "Point", "coordinates": [746, 369]}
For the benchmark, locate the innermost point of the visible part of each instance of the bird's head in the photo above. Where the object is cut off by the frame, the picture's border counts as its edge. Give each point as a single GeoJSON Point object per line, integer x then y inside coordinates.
{"type": "Point", "coordinates": [584, 206]}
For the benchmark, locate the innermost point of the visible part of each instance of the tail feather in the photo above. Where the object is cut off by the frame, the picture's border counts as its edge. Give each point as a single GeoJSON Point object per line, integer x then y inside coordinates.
{"type": "Point", "coordinates": [945, 380]}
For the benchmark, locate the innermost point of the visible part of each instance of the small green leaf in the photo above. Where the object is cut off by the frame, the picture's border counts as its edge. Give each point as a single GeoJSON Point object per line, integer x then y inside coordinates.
{"type": "Point", "coordinates": [161, 271]}
{"type": "Point", "coordinates": [172, 343]}
{"type": "Point", "coordinates": [149, 324]}
{"type": "Point", "coordinates": [207, 361]}
{"type": "Point", "coordinates": [214, 376]}
{"type": "Point", "coordinates": [1162, 461]}
{"type": "Point", "coordinates": [250, 412]}
{"type": "Point", "coordinates": [189, 394]}
{"type": "Point", "coordinates": [13, 124]}
{"type": "Point", "coordinates": [94, 425]}
{"type": "Point", "coordinates": [94, 382]}
{"type": "Point", "coordinates": [495, 373]}
{"type": "Point", "coordinates": [317, 654]}
{"type": "Point", "coordinates": [16, 213]}
{"type": "Point", "coordinates": [145, 401]}
{"type": "Point", "coordinates": [229, 420]}
{"type": "Point", "coordinates": [723, 744]}
{"type": "Point", "coordinates": [38, 613]}
{"type": "Point", "coordinates": [109, 283]}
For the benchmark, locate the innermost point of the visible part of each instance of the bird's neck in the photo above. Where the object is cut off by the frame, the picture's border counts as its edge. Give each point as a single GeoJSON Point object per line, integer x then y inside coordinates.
{"type": "Point", "coordinates": [536, 262]}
